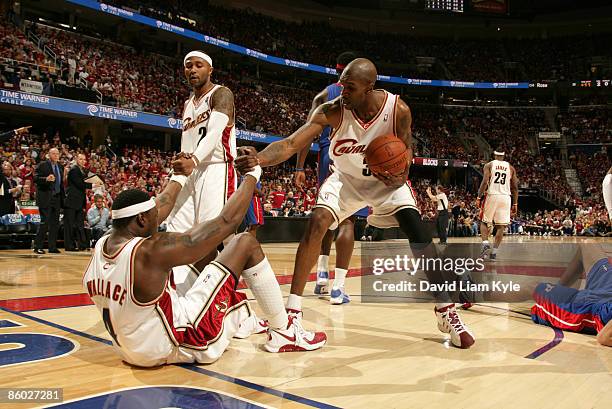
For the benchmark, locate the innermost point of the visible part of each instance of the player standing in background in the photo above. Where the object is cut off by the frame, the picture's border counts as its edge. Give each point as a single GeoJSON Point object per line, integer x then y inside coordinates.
{"type": "Point", "coordinates": [499, 182]}
{"type": "Point", "coordinates": [209, 140]}
{"type": "Point", "coordinates": [607, 192]}
{"type": "Point", "coordinates": [358, 117]}
{"type": "Point", "coordinates": [345, 241]}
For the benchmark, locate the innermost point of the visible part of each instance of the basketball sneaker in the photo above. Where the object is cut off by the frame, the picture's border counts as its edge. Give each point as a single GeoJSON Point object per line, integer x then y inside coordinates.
{"type": "Point", "coordinates": [449, 322]}
{"type": "Point", "coordinates": [485, 250]}
{"type": "Point", "coordinates": [492, 257]}
{"type": "Point", "coordinates": [250, 326]}
{"type": "Point", "coordinates": [339, 296]}
{"type": "Point", "coordinates": [294, 338]}
{"type": "Point", "coordinates": [297, 314]}
{"type": "Point", "coordinates": [322, 282]}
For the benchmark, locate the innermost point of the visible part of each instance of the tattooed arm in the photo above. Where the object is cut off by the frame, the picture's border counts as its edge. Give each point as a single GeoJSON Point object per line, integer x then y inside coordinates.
{"type": "Point", "coordinates": [166, 199]}
{"type": "Point", "coordinates": [158, 254]}
{"type": "Point", "coordinates": [221, 117]}
{"type": "Point", "coordinates": [280, 151]}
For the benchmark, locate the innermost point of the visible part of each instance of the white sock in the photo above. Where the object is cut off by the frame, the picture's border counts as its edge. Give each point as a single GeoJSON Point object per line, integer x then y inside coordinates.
{"type": "Point", "coordinates": [262, 282]}
{"type": "Point", "coordinates": [294, 302]}
{"type": "Point", "coordinates": [494, 251]}
{"type": "Point", "coordinates": [339, 277]}
{"type": "Point", "coordinates": [322, 265]}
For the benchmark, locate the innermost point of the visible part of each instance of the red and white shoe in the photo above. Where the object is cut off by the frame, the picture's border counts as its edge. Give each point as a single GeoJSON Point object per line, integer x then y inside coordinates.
{"type": "Point", "coordinates": [294, 338]}
{"type": "Point", "coordinates": [449, 322]}
{"type": "Point", "coordinates": [251, 325]}
{"type": "Point", "coordinates": [295, 313]}
{"type": "Point", "coordinates": [467, 305]}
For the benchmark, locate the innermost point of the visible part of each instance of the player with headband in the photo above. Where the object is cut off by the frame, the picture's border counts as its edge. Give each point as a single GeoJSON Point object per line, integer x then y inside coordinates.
{"type": "Point", "coordinates": [208, 147]}
{"type": "Point", "coordinates": [497, 198]}
{"type": "Point", "coordinates": [151, 320]}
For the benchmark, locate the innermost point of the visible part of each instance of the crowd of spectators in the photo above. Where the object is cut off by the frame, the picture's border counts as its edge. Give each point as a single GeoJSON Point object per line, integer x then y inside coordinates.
{"type": "Point", "coordinates": [587, 125]}
{"type": "Point", "coordinates": [498, 59]}
{"type": "Point", "coordinates": [148, 169]}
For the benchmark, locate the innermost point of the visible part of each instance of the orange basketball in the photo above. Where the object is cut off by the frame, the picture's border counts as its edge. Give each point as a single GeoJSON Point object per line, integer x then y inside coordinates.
{"type": "Point", "coordinates": [387, 153]}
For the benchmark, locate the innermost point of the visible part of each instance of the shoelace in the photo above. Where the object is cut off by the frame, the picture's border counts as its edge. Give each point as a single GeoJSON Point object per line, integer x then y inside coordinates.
{"type": "Point", "coordinates": [455, 321]}
{"type": "Point", "coordinates": [299, 329]}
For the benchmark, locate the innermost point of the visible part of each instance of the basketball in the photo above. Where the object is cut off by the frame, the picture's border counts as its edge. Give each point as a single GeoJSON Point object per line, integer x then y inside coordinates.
{"type": "Point", "coordinates": [387, 153]}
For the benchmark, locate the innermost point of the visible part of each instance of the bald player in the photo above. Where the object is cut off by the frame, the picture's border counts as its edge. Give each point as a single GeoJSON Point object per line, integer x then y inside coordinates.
{"type": "Point", "coordinates": [361, 114]}
{"type": "Point", "coordinates": [346, 230]}
{"type": "Point", "coordinates": [497, 199]}
{"type": "Point", "coordinates": [209, 140]}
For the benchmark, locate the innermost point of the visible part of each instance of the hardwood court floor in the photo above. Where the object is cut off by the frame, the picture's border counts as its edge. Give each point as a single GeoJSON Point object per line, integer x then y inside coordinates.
{"type": "Point", "coordinates": [378, 355]}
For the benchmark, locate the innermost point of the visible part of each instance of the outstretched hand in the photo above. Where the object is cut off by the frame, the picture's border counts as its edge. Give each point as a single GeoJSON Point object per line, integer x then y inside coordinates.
{"type": "Point", "coordinates": [246, 160]}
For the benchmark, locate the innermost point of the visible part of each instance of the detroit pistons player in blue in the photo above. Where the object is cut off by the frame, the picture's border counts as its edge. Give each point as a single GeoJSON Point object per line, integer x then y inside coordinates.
{"type": "Point", "coordinates": [346, 230]}
{"type": "Point", "coordinates": [587, 310]}
{"type": "Point", "coordinates": [360, 115]}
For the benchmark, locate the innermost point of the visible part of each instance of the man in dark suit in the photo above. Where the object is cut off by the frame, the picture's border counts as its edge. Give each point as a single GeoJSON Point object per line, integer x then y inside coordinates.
{"type": "Point", "coordinates": [49, 198]}
{"type": "Point", "coordinates": [8, 190]}
{"type": "Point", "coordinates": [74, 205]}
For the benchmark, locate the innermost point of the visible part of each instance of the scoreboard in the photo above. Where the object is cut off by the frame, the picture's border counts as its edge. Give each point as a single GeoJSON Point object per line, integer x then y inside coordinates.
{"type": "Point", "coordinates": [455, 6]}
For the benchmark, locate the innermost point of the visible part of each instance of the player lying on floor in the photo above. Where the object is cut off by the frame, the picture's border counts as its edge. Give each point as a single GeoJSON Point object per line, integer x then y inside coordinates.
{"type": "Point", "coordinates": [130, 280]}
{"type": "Point", "coordinates": [588, 310]}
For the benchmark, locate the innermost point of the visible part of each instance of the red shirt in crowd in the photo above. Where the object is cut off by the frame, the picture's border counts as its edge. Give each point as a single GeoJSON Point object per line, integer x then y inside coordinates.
{"type": "Point", "coordinates": [309, 201]}
{"type": "Point", "coordinates": [278, 197]}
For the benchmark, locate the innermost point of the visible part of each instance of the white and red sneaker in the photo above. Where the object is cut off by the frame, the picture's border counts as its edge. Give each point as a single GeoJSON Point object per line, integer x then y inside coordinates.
{"type": "Point", "coordinates": [449, 322]}
{"type": "Point", "coordinates": [251, 325]}
{"type": "Point", "coordinates": [294, 338]}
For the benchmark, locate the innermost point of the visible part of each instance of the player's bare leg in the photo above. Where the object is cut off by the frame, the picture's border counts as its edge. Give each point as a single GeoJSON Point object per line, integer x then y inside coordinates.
{"type": "Point", "coordinates": [484, 235]}
{"type": "Point", "coordinates": [345, 243]}
{"type": "Point", "coordinates": [306, 256]}
{"type": "Point", "coordinates": [244, 257]}
{"type": "Point", "coordinates": [322, 284]}
{"type": "Point", "coordinates": [499, 236]}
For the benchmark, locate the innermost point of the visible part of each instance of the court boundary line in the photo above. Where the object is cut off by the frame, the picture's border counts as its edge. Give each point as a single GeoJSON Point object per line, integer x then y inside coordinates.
{"type": "Point", "coordinates": [558, 336]}
{"type": "Point", "coordinates": [191, 367]}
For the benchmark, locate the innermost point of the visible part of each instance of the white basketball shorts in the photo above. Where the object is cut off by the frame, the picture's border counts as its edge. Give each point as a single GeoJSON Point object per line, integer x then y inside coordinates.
{"type": "Point", "coordinates": [343, 195]}
{"type": "Point", "coordinates": [496, 209]}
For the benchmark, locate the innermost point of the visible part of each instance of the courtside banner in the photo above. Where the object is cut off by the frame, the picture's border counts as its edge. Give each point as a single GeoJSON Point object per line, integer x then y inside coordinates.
{"type": "Point", "coordinates": [151, 22]}
{"type": "Point", "coordinates": [392, 272]}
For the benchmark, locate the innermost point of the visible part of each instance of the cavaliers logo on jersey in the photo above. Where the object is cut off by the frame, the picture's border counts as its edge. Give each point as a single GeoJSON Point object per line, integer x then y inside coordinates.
{"type": "Point", "coordinates": [347, 147]}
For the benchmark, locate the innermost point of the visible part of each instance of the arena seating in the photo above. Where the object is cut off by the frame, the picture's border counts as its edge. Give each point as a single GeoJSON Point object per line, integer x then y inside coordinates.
{"type": "Point", "coordinates": [467, 60]}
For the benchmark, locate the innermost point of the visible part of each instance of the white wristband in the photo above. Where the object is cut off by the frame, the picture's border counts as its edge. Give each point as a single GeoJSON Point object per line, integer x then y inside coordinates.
{"type": "Point", "coordinates": [256, 173]}
{"type": "Point", "coordinates": [180, 179]}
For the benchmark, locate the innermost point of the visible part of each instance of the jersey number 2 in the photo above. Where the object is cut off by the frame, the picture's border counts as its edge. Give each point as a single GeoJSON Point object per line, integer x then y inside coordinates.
{"type": "Point", "coordinates": [500, 178]}
{"type": "Point", "coordinates": [202, 133]}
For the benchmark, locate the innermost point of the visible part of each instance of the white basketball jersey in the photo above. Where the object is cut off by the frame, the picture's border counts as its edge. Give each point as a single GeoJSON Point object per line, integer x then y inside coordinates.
{"type": "Point", "coordinates": [195, 121]}
{"type": "Point", "coordinates": [349, 141]}
{"type": "Point", "coordinates": [501, 176]}
{"type": "Point", "coordinates": [138, 332]}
